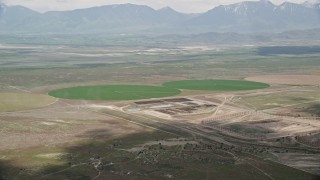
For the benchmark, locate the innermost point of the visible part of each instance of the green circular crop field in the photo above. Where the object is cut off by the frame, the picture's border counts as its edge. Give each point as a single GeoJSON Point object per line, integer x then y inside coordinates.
{"type": "Point", "coordinates": [216, 85]}
{"type": "Point", "coordinates": [114, 92]}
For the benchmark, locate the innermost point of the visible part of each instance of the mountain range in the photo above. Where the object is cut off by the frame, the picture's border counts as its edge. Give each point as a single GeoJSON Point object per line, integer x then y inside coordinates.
{"type": "Point", "coordinates": [243, 17]}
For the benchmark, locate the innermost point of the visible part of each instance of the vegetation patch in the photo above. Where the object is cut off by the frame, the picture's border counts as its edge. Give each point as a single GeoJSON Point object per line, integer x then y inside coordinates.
{"type": "Point", "coordinates": [288, 50]}
{"type": "Point", "coordinates": [23, 101]}
{"type": "Point", "coordinates": [216, 85]}
{"type": "Point", "coordinates": [114, 92]}
{"type": "Point", "coordinates": [242, 128]}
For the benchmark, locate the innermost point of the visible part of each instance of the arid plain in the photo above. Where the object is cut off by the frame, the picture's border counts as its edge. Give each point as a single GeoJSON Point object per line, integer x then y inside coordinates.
{"type": "Point", "coordinates": [267, 133]}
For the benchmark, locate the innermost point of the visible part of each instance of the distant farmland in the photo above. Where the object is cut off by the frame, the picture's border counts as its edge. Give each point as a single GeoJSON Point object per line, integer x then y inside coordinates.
{"type": "Point", "coordinates": [216, 85]}
{"type": "Point", "coordinates": [114, 92]}
{"type": "Point", "coordinates": [23, 101]}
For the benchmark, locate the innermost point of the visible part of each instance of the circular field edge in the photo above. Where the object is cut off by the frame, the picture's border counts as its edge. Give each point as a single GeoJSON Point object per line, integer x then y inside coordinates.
{"type": "Point", "coordinates": [114, 92]}
{"type": "Point", "coordinates": [13, 102]}
{"type": "Point", "coordinates": [216, 85]}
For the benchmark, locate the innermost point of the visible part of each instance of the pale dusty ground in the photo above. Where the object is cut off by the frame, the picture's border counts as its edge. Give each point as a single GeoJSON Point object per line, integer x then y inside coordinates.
{"type": "Point", "coordinates": [56, 125]}
{"type": "Point", "coordinates": [305, 162]}
{"type": "Point", "coordinates": [287, 79]}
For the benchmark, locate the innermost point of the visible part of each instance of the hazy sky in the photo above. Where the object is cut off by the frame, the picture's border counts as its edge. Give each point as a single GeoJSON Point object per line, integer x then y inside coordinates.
{"type": "Point", "coordinates": [193, 6]}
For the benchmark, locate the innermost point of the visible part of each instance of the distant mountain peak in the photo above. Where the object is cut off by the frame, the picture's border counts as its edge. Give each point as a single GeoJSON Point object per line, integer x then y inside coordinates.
{"type": "Point", "coordinates": [167, 9]}
{"type": "Point", "coordinates": [3, 8]}
{"type": "Point", "coordinates": [2, 5]}
{"type": "Point", "coordinates": [265, 1]}
{"type": "Point", "coordinates": [246, 16]}
{"type": "Point", "coordinates": [312, 3]}
{"type": "Point", "coordinates": [129, 5]}
{"type": "Point", "coordinates": [245, 7]}
{"type": "Point", "coordinates": [288, 4]}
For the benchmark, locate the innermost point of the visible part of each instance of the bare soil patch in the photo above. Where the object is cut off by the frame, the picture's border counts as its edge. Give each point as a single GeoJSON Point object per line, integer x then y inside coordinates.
{"type": "Point", "coordinates": [306, 162]}
{"type": "Point", "coordinates": [39, 134]}
{"type": "Point", "coordinates": [287, 79]}
{"type": "Point", "coordinates": [53, 125]}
